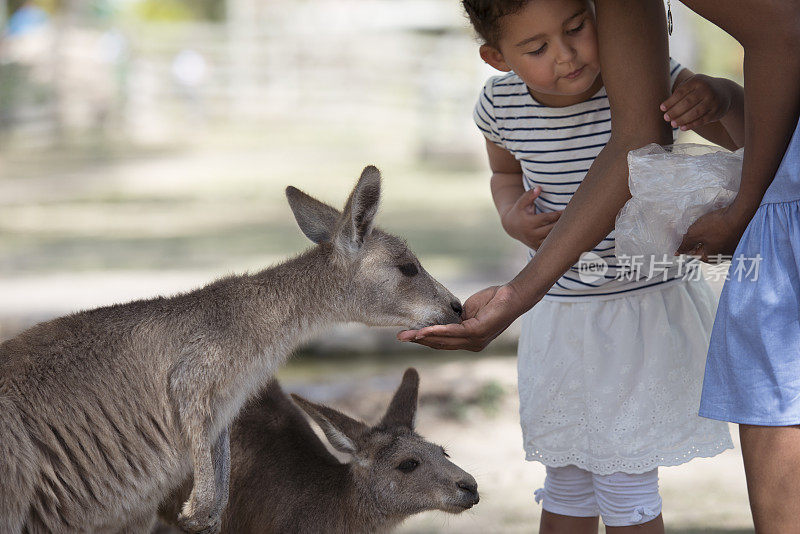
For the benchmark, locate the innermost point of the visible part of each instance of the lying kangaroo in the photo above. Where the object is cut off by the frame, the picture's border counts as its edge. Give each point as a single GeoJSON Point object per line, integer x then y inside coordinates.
{"type": "Point", "coordinates": [103, 411]}
{"type": "Point", "coordinates": [283, 479]}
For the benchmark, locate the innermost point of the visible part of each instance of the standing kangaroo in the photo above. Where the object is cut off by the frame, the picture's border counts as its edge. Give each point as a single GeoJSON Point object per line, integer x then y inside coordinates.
{"type": "Point", "coordinates": [104, 411]}
{"type": "Point", "coordinates": [284, 480]}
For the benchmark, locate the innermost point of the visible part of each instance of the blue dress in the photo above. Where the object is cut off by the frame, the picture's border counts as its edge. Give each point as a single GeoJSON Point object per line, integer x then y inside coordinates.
{"type": "Point", "coordinates": [753, 368]}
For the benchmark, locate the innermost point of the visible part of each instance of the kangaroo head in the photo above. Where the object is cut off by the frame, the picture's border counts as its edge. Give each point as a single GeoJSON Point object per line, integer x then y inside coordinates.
{"type": "Point", "coordinates": [386, 285]}
{"type": "Point", "coordinates": [396, 468]}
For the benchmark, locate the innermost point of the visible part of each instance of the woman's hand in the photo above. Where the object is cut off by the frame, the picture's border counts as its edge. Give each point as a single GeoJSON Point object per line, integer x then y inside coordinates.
{"type": "Point", "coordinates": [525, 225]}
{"type": "Point", "coordinates": [716, 232]}
{"type": "Point", "coordinates": [697, 101]}
{"type": "Point", "coordinates": [486, 314]}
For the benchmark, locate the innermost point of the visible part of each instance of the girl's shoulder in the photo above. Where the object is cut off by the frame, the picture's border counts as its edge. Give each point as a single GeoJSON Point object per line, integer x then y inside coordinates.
{"type": "Point", "coordinates": [502, 85]}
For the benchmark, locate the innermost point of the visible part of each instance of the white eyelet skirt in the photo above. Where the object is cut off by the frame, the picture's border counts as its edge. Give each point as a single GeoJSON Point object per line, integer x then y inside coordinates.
{"type": "Point", "coordinates": [614, 385]}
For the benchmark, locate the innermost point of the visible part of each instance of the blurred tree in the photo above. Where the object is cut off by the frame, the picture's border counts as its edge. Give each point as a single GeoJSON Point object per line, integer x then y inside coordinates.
{"type": "Point", "coordinates": [48, 5]}
{"type": "Point", "coordinates": [178, 10]}
{"type": "Point", "coordinates": [13, 5]}
{"type": "Point", "coordinates": [96, 9]}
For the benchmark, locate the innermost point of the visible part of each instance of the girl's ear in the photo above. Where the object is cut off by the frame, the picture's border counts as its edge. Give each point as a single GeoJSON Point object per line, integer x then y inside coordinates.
{"type": "Point", "coordinates": [494, 57]}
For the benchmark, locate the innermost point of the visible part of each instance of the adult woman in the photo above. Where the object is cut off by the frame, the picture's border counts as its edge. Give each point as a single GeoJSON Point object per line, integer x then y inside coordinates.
{"type": "Point", "coordinates": [633, 46]}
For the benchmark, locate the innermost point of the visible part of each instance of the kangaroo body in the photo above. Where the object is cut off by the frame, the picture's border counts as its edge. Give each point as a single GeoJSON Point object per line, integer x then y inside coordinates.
{"type": "Point", "coordinates": [103, 412]}
{"type": "Point", "coordinates": [95, 409]}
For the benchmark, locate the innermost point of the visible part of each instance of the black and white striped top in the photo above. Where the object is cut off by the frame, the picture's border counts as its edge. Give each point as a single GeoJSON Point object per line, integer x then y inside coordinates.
{"type": "Point", "coordinates": [556, 147]}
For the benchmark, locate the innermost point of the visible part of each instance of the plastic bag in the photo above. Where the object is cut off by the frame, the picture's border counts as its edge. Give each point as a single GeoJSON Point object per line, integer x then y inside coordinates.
{"type": "Point", "coordinates": [671, 187]}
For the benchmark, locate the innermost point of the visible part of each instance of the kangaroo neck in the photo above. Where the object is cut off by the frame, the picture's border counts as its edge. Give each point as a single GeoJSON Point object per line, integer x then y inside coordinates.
{"type": "Point", "coordinates": [342, 505]}
{"type": "Point", "coordinates": [297, 298]}
{"type": "Point", "coordinates": [365, 514]}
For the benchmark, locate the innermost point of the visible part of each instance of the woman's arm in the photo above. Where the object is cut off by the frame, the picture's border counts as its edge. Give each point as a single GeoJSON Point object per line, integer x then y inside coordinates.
{"type": "Point", "coordinates": [634, 63]}
{"type": "Point", "coordinates": [769, 32]}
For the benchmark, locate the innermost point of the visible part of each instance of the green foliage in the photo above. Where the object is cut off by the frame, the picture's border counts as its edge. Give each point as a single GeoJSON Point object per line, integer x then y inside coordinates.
{"type": "Point", "coordinates": [180, 10]}
{"type": "Point", "coordinates": [490, 396]}
{"type": "Point", "coordinates": [718, 53]}
{"type": "Point", "coordinates": [51, 6]}
{"type": "Point", "coordinates": [17, 88]}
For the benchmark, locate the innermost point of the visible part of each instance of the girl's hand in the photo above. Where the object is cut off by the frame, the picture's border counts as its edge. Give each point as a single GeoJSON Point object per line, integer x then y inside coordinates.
{"type": "Point", "coordinates": [523, 223]}
{"type": "Point", "coordinates": [486, 314]}
{"type": "Point", "coordinates": [716, 232]}
{"type": "Point", "coordinates": [699, 100]}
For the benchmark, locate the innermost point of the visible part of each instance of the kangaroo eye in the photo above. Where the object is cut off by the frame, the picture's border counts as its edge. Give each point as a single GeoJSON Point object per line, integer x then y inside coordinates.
{"type": "Point", "coordinates": [406, 466]}
{"type": "Point", "coordinates": [408, 269]}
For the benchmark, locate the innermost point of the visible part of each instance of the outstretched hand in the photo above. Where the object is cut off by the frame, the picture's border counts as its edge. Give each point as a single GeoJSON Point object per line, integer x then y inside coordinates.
{"type": "Point", "coordinates": [716, 232]}
{"type": "Point", "coordinates": [486, 314]}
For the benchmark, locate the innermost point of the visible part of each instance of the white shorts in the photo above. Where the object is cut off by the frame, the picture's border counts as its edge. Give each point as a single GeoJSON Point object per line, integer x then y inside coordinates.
{"type": "Point", "coordinates": [621, 499]}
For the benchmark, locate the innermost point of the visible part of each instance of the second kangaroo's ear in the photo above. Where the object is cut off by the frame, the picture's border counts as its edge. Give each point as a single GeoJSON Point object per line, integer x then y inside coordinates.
{"type": "Point", "coordinates": [358, 215]}
{"type": "Point", "coordinates": [316, 219]}
{"type": "Point", "coordinates": [403, 408]}
{"type": "Point", "coordinates": [341, 430]}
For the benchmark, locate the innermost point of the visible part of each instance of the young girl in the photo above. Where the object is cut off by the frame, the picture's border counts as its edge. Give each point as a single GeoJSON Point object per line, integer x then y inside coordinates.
{"type": "Point", "coordinates": [610, 365]}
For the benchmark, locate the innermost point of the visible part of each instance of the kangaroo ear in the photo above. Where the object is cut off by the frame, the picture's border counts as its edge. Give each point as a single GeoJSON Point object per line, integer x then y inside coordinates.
{"type": "Point", "coordinates": [359, 212]}
{"type": "Point", "coordinates": [316, 219]}
{"type": "Point", "coordinates": [403, 408]}
{"type": "Point", "coordinates": [341, 430]}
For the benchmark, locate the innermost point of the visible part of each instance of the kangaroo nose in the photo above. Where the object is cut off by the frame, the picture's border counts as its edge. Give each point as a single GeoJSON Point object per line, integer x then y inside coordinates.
{"type": "Point", "coordinates": [469, 487]}
{"type": "Point", "coordinates": [456, 305]}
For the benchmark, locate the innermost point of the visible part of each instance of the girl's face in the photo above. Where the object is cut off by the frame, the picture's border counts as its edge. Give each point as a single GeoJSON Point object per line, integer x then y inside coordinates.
{"type": "Point", "coordinates": [552, 46]}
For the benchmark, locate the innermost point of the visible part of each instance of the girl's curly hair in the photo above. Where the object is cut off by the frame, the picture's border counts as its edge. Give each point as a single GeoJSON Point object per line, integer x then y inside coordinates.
{"type": "Point", "coordinates": [485, 16]}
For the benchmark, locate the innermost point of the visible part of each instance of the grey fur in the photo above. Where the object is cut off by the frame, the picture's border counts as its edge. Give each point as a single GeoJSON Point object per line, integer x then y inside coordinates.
{"type": "Point", "coordinates": [284, 480]}
{"type": "Point", "coordinates": [102, 411]}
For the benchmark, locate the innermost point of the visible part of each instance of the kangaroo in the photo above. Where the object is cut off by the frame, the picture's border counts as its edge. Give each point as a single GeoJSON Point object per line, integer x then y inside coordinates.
{"type": "Point", "coordinates": [284, 480]}
{"type": "Point", "coordinates": [103, 412]}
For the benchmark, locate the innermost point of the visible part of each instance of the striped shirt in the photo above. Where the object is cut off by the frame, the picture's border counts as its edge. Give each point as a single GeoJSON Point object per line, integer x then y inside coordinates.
{"type": "Point", "coordinates": [555, 148]}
